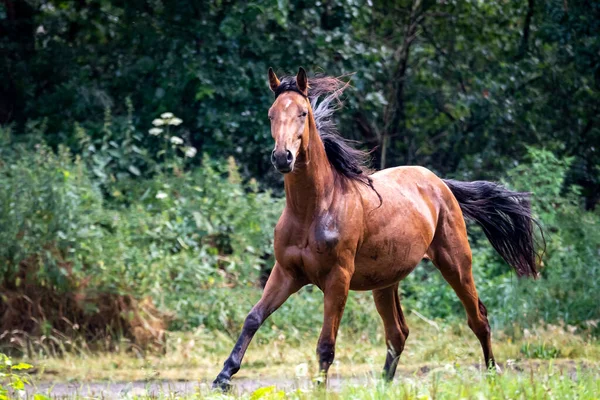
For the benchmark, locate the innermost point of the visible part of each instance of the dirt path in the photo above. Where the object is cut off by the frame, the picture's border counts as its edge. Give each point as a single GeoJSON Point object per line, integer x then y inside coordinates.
{"type": "Point", "coordinates": [178, 388]}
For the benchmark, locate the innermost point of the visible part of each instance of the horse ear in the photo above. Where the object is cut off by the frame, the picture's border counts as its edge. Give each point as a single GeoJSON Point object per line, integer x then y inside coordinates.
{"type": "Point", "coordinates": [302, 81]}
{"type": "Point", "coordinates": [273, 80]}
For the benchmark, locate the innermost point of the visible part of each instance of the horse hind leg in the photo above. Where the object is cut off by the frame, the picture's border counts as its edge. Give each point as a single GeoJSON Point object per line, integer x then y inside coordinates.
{"type": "Point", "coordinates": [387, 301]}
{"type": "Point", "coordinates": [451, 254]}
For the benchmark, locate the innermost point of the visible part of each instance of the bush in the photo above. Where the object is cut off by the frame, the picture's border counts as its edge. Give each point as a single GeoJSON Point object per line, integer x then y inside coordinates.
{"type": "Point", "coordinates": [568, 290]}
{"type": "Point", "coordinates": [167, 235]}
{"type": "Point", "coordinates": [49, 217]}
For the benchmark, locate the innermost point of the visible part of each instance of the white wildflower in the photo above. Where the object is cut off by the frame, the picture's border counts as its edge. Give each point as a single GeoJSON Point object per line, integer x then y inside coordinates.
{"type": "Point", "coordinates": [161, 195]}
{"type": "Point", "coordinates": [155, 131]}
{"type": "Point", "coordinates": [158, 122]}
{"type": "Point", "coordinates": [166, 115]}
{"type": "Point", "coordinates": [175, 121]}
{"type": "Point", "coordinates": [301, 370]}
{"type": "Point", "coordinates": [176, 140]}
{"type": "Point", "coordinates": [190, 152]}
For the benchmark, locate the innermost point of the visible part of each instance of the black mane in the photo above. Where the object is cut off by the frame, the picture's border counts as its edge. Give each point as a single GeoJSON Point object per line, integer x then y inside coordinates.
{"type": "Point", "coordinates": [347, 161]}
{"type": "Point", "coordinates": [288, 84]}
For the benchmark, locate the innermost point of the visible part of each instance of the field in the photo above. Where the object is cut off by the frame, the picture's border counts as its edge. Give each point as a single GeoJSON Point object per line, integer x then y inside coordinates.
{"type": "Point", "coordinates": [441, 361]}
{"type": "Point", "coordinates": [100, 272]}
{"type": "Point", "coordinates": [138, 200]}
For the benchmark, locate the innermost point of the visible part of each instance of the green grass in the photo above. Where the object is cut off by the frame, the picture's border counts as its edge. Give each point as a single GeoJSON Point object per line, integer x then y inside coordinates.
{"type": "Point", "coordinates": [441, 361]}
{"type": "Point", "coordinates": [551, 381]}
{"type": "Point", "coordinates": [451, 383]}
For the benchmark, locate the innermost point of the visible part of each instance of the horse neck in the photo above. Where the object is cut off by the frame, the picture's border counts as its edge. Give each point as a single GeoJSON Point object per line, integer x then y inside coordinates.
{"type": "Point", "coordinates": [312, 181]}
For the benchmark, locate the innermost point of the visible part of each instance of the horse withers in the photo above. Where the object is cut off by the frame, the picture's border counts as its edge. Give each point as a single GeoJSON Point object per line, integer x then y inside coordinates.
{"type": "Point", "coordinates": [344, 228]}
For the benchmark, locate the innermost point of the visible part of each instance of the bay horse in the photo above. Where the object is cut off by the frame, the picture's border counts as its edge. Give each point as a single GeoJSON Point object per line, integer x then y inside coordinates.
{"type": "Point", "coordinates": [344, 228]}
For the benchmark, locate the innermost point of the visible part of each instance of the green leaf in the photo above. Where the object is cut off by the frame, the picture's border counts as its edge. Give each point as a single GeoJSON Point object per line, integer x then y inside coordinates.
{"type": "Point", "coordinates": [18, 384]}
{"type": "Point", "coordinates": [262, 392]}
{"type": "Point", "coordinates": [134, 170]}
{"type": "Point", "coordinates": [22, 366]}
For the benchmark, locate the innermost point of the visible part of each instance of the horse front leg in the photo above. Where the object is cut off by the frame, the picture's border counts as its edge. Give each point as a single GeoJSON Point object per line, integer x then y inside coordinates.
{"type": "Point", "coordinates": [335, 290]}
{"type": "Point", "coordinates": [277, 290]}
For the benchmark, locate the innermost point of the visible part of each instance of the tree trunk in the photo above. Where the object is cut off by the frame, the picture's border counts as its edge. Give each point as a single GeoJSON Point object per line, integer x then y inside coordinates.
{"type": "Point", "coordinates": [524, 48]}
{"type": "Point", "coordinates": [396, 125]}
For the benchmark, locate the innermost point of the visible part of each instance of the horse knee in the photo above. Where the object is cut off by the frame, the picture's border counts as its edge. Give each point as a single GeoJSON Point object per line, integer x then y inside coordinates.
{"type": "Point", "coordinates": [253, 322]}
{"type": "Point", "coordinates": [326, 353]}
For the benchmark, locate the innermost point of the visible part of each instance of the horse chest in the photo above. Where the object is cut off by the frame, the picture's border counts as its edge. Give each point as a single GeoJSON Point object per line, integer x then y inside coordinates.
{"type": "Point", "coordinates": [312, 250]}
{"type": "Point", "coordinates": [325, 234]}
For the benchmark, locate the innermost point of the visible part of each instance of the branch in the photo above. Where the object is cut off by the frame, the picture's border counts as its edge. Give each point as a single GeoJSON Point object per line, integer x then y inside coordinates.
{"type": "Point", "coordinates": [526, 29]}
{"type": "Point", "coordinates": [523, 85]}
{"type": "Point", "coordinates": [368, 131]}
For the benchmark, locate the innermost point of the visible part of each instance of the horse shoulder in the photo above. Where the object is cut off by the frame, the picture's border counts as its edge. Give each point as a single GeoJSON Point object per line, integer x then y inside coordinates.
{"type": "Point", "coordinates": [339, 222]}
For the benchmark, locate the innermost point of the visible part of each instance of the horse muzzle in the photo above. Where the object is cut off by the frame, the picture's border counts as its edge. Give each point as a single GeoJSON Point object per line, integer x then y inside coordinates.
{"type": "Point", "coordinates": [283, 161]}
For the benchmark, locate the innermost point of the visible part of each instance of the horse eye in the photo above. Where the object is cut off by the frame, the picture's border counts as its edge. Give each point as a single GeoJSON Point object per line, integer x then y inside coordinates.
{"type": "Point", "coordinates": [303, 114]}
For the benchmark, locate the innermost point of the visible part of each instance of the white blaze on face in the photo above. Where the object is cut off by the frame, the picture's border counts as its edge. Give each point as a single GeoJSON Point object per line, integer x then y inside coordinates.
{"type": "Point", "coordinates": [288, 121]}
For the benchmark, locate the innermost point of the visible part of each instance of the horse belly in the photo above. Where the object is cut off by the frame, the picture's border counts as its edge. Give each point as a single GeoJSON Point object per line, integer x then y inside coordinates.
{"type": "Point", "coordinates": [390, 263]}
{"type": "Point", "coordinates": [392, 250]}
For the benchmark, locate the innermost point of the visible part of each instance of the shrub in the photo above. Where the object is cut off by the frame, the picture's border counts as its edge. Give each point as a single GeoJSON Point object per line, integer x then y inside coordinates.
{"type": "Point", "coordinates": [168, 235]}
{"type": "Point", "coordinates": [568, 290]}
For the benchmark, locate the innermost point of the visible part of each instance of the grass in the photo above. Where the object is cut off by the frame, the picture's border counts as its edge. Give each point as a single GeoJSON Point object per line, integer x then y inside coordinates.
{"type": "Point", "coordinates": [440, 361]}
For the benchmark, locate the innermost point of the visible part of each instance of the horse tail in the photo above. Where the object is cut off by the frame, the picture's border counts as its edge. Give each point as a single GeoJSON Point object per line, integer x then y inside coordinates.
{"type": "Point", "coordinates": [505, 217]}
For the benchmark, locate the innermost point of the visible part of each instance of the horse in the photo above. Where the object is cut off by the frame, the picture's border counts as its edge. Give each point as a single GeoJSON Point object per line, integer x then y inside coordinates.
{"type": "Point", "coordinates": [344, 228]}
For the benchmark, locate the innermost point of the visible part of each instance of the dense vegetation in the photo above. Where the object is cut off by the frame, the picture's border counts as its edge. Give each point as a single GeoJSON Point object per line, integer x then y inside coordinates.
{"type": "Point", "coordinates": [104, 192]}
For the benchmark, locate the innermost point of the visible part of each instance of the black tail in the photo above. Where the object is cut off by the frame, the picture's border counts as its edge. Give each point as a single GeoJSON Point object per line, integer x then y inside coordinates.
{"type": "Point", "coordinates": [504, 216]}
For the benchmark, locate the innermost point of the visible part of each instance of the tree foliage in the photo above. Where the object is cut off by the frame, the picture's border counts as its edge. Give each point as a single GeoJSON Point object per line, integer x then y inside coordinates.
{"type": "Point", "coordinates": [459, 86]}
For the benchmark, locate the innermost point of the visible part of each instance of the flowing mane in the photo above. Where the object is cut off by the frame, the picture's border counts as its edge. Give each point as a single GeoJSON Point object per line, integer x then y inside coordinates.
{"type": "Point", "coordinates": [347, 161]}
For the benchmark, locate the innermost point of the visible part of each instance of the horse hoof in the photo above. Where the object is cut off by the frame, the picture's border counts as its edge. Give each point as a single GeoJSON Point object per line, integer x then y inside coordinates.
{"type": "Point", "coordinates": [223, 385]}
{"type": "Point", "coordinates": [494, 370]}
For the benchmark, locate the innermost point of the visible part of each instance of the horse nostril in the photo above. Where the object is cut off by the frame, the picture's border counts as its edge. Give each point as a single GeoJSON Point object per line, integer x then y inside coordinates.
{"type": "Point", "coordinates": [273, 156]}
{"type": "Point", "coordinates": [289, 156]}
